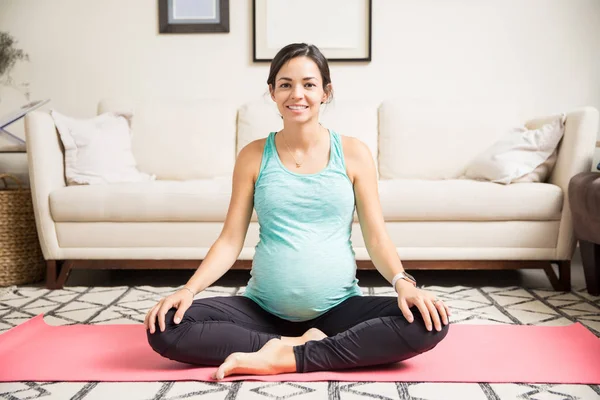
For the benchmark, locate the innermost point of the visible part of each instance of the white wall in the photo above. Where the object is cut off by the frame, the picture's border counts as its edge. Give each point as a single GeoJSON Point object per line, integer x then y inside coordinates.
{"type": "Point", "coordinates": [541, 54]}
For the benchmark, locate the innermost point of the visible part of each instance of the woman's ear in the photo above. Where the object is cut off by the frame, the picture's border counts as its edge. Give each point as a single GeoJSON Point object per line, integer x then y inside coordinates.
{"type": "Point", "coordinates": [271, 92]}
{"type": "Point", "coordinates": [326, 93]}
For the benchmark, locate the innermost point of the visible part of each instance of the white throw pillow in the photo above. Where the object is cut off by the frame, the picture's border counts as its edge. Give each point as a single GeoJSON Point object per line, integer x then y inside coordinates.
{"type": "Point", "coordinates": [541, 173]}
{"type": "Point", "coordinates": [98, 149]}
{"type": "Point", "coordinates": [522, 155]}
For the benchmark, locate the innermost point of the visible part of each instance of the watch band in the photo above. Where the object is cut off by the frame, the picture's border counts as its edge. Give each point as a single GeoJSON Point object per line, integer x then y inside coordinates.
{"type": "Point", "coordinates": [403, 275]}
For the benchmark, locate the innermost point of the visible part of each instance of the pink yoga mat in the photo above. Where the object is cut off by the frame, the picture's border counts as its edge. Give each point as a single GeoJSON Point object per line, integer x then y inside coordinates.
{"type": "Point", "coordinates": [35, 351]}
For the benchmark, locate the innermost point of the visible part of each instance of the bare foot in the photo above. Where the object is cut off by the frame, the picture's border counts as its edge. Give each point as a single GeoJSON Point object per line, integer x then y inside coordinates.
{"type": "Point", "coordinates": [311, 334]}
{"type": "Point", "coordinates": [274, 357]}
{"type": "Point", "coordinates": [314, 334]}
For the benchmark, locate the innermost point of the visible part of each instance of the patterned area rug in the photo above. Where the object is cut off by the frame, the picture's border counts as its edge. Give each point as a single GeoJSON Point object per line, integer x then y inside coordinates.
{"type": "Point", "coordinates": [118, 305]}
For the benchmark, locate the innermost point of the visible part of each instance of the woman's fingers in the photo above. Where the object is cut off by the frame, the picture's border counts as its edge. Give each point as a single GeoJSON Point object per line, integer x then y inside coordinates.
{"type": "Point", "coordinates": [405, 309]}
{"type": "Point", "coordinates": [448, 312]}
{"type": "Point", "coordinates": [159, 312]}
{"type": "Point", "coordinates": [433, 312]}
{"type": "Point", "coordinates": [162, 311]}
{"type": "Point", "coordinates": [442, 309]}
{"type": "Point", "coordinates": [420, 303]}
{"type": "Point", "coordinates": [181, 309]}
{"type": "Point", "coordinates": [152, 317]}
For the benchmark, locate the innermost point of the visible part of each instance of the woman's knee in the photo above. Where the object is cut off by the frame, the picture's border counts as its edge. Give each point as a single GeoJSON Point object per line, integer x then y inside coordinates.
{"type": "Point", "coordinates": [427, 340]}
{"type": "Point", "coordinates": [162, 341]}
{"type": "Point", "coordinates": [416, 336]}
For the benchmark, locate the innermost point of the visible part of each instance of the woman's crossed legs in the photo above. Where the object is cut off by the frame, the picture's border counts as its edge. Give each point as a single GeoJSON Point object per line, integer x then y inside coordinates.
{"type": "Point", "coordinates": [233, 332]}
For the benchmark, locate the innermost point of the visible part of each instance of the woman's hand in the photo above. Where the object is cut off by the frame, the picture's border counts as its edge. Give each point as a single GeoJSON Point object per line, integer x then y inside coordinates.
{"type": "Point", "coordinates": [431, 308]}
{"type": "Point", "coordinates": [181, 300]}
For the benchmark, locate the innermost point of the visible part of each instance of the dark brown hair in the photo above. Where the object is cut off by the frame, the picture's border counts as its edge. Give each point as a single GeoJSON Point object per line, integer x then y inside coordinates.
{"type": "Point", "coordinates": [301, 50]}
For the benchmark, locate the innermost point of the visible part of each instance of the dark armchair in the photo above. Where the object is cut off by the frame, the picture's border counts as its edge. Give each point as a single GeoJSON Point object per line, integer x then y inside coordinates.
{"type": "Point", "coordinates": [584, 198]}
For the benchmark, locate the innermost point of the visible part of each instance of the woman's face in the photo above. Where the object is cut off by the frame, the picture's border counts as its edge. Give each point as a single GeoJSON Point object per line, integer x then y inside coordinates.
{"type": "Point", "coordinates": [298, 90]}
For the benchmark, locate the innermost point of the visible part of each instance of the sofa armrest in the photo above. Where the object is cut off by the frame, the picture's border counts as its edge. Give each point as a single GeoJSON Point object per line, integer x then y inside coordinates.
{"type": "Point", "coordinates": [46, 173]}
{"type": "Point", "coordinates": [575, 155]}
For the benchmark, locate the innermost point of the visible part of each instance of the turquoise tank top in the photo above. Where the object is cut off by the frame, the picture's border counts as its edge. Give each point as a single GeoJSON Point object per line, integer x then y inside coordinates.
{"type": "Point", "coordinates": [304, 263]}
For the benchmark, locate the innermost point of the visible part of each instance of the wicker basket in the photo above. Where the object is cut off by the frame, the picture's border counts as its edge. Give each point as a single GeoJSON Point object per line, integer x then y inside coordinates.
{"type": "Point", "coordinates": [21, 259]}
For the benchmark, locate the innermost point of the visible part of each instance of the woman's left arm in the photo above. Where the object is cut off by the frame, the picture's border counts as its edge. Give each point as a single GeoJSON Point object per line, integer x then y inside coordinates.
{"type": "Point", "coordinates": [381, 249]}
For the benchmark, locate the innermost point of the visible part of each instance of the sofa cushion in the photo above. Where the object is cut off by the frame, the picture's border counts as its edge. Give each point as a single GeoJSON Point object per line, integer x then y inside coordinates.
{"type": "Point", "coordinates": [401, 200]}
{"type": "Point", "coordinates": [194, 200]}
{"type": "Point", "coordinates": [445, 240]}
{"type": "Point", "coordinates": [179, 140]}
{"type": "Point", "coordinates": [467, 200]}
{"type": "Point", "coordinates": [350, 118]}
{"type": "Point", "coordinates": [421, 140]}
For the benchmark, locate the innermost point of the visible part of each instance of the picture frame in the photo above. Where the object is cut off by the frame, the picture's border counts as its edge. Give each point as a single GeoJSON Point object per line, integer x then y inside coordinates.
{"type": "Point", "coordinates": [341, 29]}
{"type": "Point", "coordinates": [193, 16]}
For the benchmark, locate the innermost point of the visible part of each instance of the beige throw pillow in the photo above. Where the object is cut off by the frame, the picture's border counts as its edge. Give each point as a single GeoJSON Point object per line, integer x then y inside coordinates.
{"type": "Point", "coordinates": [98, 149]}
{"type": "Point", "coordinates": [522, 155]}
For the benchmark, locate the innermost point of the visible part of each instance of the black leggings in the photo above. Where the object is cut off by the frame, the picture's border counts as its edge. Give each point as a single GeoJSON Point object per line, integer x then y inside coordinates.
{"type": "Point", "coordinates": [362, 331]}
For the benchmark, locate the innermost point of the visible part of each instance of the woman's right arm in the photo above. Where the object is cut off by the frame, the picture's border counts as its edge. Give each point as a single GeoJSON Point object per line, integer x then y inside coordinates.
{"type": "Point", "coordinates": [224, 252]}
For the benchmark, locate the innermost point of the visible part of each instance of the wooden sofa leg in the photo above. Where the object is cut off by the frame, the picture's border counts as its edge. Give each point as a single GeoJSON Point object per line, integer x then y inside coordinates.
{"type": "Point", "coordinates": [51, 274]}
{"type": "Point", "coordinates": [562, 282]}
{"type": "Point", "coordinates": [564, 270]}
{"type": "Point", "coordinates": [57, 272]}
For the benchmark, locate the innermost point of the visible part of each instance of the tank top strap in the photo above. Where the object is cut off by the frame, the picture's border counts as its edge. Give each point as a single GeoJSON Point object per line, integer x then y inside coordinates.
{"type": "Point", "coordinates": [267, 152]}
{"type": "Point", "coordinates": [337, 152]}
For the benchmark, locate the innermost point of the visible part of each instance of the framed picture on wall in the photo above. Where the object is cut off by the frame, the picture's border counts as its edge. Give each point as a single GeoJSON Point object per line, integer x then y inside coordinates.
{"type": "Point", "coordinates": [193, 16]}
{"type": "Point", "coordinates": [341, 29]}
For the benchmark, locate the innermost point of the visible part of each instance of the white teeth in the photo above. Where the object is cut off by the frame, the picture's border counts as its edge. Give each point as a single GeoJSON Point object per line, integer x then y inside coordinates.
{"type": "Point", "coordinates": [297, 107]}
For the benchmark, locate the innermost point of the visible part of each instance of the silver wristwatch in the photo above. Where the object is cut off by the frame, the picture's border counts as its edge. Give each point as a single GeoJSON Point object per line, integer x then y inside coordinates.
{"type": "Point", "coordinates": [403, 275]}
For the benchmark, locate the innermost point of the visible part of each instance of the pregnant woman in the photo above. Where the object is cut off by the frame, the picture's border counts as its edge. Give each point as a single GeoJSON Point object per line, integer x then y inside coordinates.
{"type": "Point", "coordinates": [302, 309]}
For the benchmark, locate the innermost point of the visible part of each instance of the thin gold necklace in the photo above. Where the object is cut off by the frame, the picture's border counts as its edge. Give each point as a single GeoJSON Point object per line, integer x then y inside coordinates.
{"type": "Point", "coordinates": [298, 164]}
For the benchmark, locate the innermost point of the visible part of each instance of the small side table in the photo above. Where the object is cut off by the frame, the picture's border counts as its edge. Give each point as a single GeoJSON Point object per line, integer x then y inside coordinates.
{"type": "Point", "coordinates": [584, 198]}
{"type": "Point", "coordinates": [16, 115]}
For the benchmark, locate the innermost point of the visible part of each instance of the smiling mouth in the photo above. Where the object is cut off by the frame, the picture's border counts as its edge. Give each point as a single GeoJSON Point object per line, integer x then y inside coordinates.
{"type": "Point", "coordinates": [297, 108]}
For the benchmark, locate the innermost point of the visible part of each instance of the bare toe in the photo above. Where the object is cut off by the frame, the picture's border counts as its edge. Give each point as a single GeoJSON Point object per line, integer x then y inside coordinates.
{"type": "Point", "coordinates": [229, 366]}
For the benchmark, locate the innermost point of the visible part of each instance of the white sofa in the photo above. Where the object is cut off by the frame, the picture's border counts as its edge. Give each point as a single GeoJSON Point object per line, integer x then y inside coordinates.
{"type": "Point", "coordinates": [435, 219]}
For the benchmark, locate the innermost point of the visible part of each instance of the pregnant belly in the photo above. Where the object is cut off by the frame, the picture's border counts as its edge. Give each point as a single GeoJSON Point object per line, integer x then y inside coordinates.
{"type": "Point", "coordinates": [302, 287]}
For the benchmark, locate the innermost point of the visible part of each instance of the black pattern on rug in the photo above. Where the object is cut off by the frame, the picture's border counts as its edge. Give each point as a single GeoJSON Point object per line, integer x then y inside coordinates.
{"type": "Point", "coordinates": [123, 304]}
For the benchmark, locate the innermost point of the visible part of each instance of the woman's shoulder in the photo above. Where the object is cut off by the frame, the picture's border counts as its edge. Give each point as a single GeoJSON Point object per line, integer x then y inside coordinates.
{"type": "Point", "coordinates": [253, 149]}
{"type": "Point", "coordinates": [250, 157]}
{"type": "Point", "coordinates": [353, 147]}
